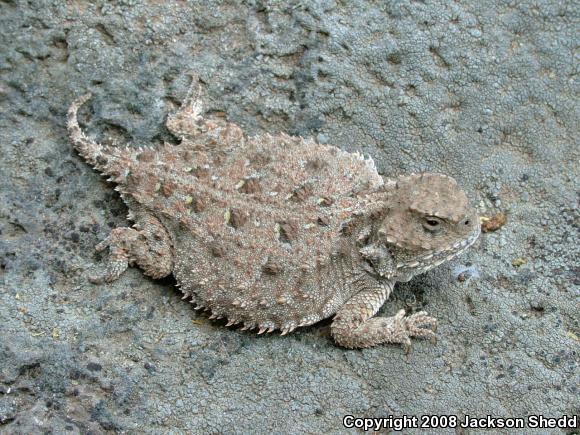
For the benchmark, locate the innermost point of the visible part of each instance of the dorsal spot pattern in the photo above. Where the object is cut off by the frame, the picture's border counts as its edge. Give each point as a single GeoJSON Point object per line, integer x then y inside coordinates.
{"type": "Point", "coordinates": [235, 218]}
{"type": "Point", "coordinates": [249, 185]}
{"type": "Point", "coordinates": [286, 231]}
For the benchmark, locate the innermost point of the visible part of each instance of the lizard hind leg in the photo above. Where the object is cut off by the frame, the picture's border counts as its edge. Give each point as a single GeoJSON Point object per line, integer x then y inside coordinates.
{"type": "Point", "coordinates": [355, 327]}
{"type": "Point", "coordinates": [193, 129]}
{"type": "Point", "coordinates": [148, 246]}
{"type": "Point", "coordinates": [187, 122]}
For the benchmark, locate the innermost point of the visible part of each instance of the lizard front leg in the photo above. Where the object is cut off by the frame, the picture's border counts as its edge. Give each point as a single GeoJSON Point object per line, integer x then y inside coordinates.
{"type": "Point", "coordinates": [147, 245]}
{"type": "Point", "coordinates": [355, 327]}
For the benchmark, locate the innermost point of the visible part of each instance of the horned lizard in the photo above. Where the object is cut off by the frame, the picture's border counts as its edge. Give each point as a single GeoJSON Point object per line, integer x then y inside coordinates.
{"type": "Point", "coordinates": [278, 232]}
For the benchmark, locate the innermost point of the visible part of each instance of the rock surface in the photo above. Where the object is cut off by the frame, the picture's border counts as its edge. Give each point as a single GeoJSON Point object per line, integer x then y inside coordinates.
{"type": "Point", "coordinates": [483, 91]}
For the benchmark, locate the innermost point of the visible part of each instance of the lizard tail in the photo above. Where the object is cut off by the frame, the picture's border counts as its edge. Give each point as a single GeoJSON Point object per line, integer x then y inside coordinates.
{"type": "Point", "coordinates": [90, 150]}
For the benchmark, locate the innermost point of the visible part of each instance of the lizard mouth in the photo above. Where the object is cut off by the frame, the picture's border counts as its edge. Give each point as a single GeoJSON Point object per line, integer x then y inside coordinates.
{"type": "Point", "coordinates": [433, 259]}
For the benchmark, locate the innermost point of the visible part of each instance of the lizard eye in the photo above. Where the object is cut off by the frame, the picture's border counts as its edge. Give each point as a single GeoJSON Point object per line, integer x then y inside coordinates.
{"type": "Point", "coordinates": [432, 224]}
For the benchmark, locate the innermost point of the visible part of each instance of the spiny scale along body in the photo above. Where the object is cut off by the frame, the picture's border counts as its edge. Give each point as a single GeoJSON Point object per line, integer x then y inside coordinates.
{"type": "Point", "coordinates": [278, 232]}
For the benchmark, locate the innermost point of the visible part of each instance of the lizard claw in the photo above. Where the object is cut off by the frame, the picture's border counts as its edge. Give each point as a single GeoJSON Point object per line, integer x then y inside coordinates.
{"type": "Point", "coordinates": [103, 245]}
{"type": "Point", "coordinates": [421, 325]}
{"type": "Point", "coordinates": [406, 345]}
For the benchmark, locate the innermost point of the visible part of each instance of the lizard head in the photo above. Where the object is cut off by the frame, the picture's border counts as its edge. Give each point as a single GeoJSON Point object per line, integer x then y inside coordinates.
{"type": "Point", "coordinates": [429, 220]}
